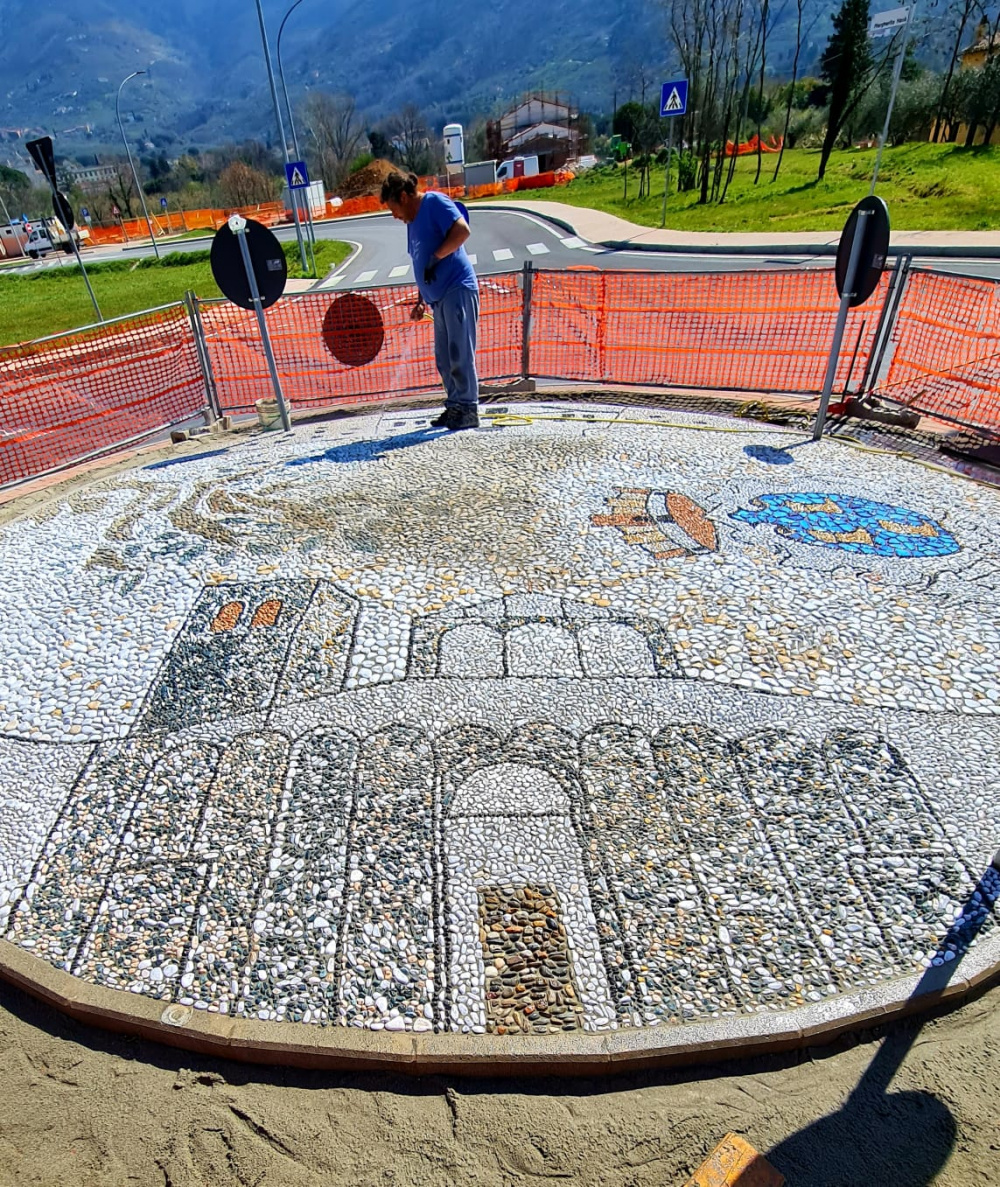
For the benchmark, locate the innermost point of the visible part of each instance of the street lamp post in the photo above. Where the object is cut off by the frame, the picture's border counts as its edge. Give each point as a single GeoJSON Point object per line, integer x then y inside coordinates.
{"type": "Point", "coordinates": [128, 153]}
{"type": "Point", "coordinates": [281, 129]}
{"type": "Point", "coordinates": [295, 135]}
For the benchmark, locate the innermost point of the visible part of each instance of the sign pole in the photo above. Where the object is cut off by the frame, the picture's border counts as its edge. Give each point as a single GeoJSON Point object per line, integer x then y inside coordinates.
{"type": "Point", "coordinates": [666, 175]}
{"type": "Point", "coordinates": [896, 73]}
{"type": "Point", "coordinates": [838, 333]}
{"type": "Point", "coordinates": [238, 225]}
{"type": "Point", "coordinates": [41, 153]}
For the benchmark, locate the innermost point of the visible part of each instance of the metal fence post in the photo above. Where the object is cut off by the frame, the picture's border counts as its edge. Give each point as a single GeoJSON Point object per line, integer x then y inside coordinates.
{"type": "Point", "coordinates": [198, 333]}
{"type": "Point", "coordinates": [527, 285]}
{"type": "Point", "coordinates": [886, 322]}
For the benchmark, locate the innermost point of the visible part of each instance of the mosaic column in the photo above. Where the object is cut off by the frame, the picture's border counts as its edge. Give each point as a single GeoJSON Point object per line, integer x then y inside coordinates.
{"type": "Point", "coordinates": [905, 861]}
{"type": "Point", "coordinates": [387, 961]}
{"type": "Point", "coordinates": [234, 841]}
{"type": "Point", "coordinates": [648, 913]}
{"type": "Point", "coordinates": [147, 914]}
{"type": "Point", "coordinates": [54, 916]}
{"type": "Point", "coordinates": [804, 818]}
{"type": "Point", "coordinates": [755, 935]}
{"type": "Point", "coordinates": [300, 914]}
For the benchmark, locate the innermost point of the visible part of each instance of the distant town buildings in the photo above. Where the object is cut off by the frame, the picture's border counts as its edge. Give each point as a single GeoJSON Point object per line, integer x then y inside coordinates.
{"type": "Point", "coordinates": [541, 124]}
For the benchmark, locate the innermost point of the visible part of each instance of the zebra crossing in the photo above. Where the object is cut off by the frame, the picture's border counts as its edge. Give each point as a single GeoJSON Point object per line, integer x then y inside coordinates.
{"type": "Point", "coordinates": [404, 272]}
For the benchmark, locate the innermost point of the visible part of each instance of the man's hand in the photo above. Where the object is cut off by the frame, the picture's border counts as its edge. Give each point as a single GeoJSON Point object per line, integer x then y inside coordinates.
{"type": "Point", "coordinates": [430, 270]}
{"type": "Point", "coordinates": [418, 311]}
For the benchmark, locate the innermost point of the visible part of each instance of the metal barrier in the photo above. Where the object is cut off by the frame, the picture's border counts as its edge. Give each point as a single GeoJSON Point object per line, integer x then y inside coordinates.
{"type": "Point", "coordinates": [311, 377]}
{"type": "Point", "coordinates": [72, 396]}
{"type": "Point", "coordinates": [945, 345]}
{"type": "Point", "coordinates": [739, 331]}
{"type": "Point", "coordinates": [80, 394]}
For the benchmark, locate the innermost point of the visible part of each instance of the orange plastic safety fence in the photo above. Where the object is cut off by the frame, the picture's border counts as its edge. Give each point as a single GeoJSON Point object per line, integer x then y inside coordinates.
{"type": "Point", "coordinates": [311, 376]}
{"type": "Point", "coordinates": [176, 222]}
{"type": "Point", "coordinates": [77, 394]}
{"type": "Point", "coordinates": [751, 331]}
{"type": "Point", "coordinates": [946, 350]}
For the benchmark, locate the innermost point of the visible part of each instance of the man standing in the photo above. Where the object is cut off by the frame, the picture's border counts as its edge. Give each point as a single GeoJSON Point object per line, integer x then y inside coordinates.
{"type": "Point", "coordinates": [435, 236]}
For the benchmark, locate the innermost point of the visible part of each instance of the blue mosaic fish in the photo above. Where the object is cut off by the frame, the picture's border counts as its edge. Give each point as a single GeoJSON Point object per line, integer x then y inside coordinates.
{"type": "Point", "coordinates": [851, 524]}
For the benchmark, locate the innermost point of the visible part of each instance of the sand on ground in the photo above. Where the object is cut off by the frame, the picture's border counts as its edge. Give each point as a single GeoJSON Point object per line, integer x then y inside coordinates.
{"type": "Point", "coordinates": [80, 1106]}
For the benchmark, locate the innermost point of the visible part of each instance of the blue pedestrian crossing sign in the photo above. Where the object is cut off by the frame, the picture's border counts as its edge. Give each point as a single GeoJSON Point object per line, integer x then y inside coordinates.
{"type": "Point", "coordinates": [674, 98]}
{"type": "Point", "coordinates": [163, 203]}
{"type": "Point", "coordinates": [297, 175]}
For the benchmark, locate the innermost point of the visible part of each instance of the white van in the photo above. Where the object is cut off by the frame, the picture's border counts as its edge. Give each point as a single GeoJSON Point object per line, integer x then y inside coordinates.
{"type": "Point", "coordinates": [40, 242]}
{"type": "Point", "coordinates": [518, 167]}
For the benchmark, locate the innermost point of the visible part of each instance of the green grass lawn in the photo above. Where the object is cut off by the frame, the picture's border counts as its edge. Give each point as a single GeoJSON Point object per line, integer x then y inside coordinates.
{"type": "Point", "coordinates": [926, 186]}
{"type": "Point", "coordinates": [55, 299]}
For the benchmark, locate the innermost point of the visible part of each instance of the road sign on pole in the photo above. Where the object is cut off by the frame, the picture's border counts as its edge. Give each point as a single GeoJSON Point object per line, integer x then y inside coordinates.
{"type": "Point", "coordinates": [44, 158]}
{"type": "Point", "coordinates": [884, 24]}
{"type": "Point", "coordinates": [297, 175]}
{"type": "Point", "coordinates": [861, 255]}
{"type": "Point", "coordinates": [674, 98]}
{"type": "Point", "coordinates": [887, 24]}
{"type": "Point", "coordinates": [163, 203]}
{"type": "Point", "coordinates": [249, 266]}
{"type": "Point", "coordinates": [673, 101]}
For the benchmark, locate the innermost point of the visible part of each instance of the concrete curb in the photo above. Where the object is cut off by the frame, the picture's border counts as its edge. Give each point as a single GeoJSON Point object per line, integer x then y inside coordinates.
{"type": "Point", "coordinates": [826, 247]}
{"type": "Point", "coordinates": [585, 1054]}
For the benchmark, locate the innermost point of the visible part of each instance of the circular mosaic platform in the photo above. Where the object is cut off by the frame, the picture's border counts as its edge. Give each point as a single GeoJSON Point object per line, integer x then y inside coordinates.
{"type": "Point", "coordinates": [591, 721]}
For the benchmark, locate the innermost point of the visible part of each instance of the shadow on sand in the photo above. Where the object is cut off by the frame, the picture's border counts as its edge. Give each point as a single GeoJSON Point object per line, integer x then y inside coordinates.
{"type": "Point", "coordinates": [881, 1138]}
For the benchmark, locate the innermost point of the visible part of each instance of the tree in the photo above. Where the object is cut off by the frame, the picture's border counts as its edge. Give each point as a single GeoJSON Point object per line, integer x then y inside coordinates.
{"type": "Point", "coordinates": [381, 145]}
{"type": "Point", "coordinates": [242, 185]}
{"type": "Point", "coordinates": [14, 188]}
{"type": "Point", "coordinates": [410, 137]}
{"type": "Point", "coordinates": [847, 65]}
{"type": "Point", "coordinates": [335, 133]}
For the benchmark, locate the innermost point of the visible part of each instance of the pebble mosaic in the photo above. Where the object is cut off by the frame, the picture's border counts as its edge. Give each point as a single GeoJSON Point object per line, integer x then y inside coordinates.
{"type": "Point", "coordinates": [589, 719]}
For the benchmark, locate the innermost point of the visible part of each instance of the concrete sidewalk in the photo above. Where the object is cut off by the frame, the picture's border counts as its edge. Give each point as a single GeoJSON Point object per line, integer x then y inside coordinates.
{"type": "Point", "coordinates": [609, 230]}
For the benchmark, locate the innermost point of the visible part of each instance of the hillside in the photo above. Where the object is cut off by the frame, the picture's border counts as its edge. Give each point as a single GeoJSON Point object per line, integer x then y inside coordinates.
{"type": "Point", "coordinates": [206, 82]}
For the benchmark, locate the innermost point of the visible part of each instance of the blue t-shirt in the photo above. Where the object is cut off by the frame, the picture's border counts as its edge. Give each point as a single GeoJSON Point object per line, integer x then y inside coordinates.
{"type": "Point", "coordinates": [436, 215]}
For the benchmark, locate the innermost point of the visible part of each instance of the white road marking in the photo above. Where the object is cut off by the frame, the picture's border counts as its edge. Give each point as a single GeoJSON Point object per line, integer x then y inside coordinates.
{"type": "Point", "coordinates": [573, 241]}
{"type": "Point", "coordinates": [364, 277]}
{"type": "Point", "coordinates": [538, 249]}
{"type": "Point", "coordinates": [328, 284]}
{"type": "Point", "coordinates": [473, 258]}
{"type": "Point", "coordinates": [401, 270]}
{"type": "Point", "coordinates": [502, 253]}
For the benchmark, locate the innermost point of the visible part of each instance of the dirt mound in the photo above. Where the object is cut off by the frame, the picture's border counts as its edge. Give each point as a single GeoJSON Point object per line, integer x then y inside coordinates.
{"type": "Point", "coordinates": [367, 182]}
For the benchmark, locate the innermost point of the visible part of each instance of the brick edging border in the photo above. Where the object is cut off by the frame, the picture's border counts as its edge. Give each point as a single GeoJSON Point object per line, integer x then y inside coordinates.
{"type": "Point", "coordinates": [585, 1054]}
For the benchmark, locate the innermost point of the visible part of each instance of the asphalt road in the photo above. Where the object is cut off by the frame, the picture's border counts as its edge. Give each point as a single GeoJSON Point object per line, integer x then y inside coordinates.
{"type": "Point", "coordinates": [502, 241]}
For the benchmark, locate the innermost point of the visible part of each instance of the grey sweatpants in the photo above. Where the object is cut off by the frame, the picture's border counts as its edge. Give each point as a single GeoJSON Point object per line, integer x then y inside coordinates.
{"type": "Point", "coordinates": [456, 317]}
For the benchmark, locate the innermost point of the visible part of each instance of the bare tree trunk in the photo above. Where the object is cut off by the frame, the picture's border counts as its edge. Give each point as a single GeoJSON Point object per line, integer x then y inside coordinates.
{"type": "Point", "coordinates": [966, 11]}
{"type": "Point", "coordinates": [791, 86]}
{"type": "Point", "coordinates": [764, 13]}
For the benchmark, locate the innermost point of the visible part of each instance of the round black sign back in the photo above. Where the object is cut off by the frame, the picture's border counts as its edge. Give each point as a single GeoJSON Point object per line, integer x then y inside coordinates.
{"type": "Point", "coordinates": [874, 249]}
{"type": "Point", "coordinates": [270, 268]}
{"type": "Point", "coordinates": [63, 210]}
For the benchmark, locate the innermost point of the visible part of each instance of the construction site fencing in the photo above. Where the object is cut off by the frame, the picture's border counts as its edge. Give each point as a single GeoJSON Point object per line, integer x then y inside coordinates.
{"type": "Point", "coordinates": [76, 395]}
{"type": "Point", "coordinates": [312, 377]}
{"type": "Point", "coordinates": [80, 394]}
{"type": "Point", "coordinates": [176, 222]}
{"type": "Point", "coordinates": [740, 331]}
{"type": "Point", "coordinates": [945, 350]}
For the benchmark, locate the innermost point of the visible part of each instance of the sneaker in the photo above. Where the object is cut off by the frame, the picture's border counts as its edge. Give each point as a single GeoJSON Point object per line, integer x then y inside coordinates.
{"type": "Point", "coordinates": [464, 418]}
{"type": "Point", "coordinates": [444, 420]}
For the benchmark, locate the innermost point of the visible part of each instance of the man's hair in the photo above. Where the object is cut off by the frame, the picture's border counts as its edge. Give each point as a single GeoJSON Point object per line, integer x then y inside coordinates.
{"type": "Point", "coordinates": [397, 184]}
